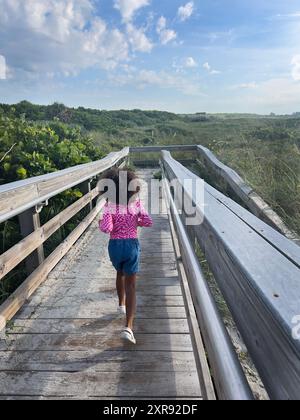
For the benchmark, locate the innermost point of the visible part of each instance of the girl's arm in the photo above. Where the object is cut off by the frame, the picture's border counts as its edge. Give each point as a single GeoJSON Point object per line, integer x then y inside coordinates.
{"type": "Point", "coordinates": [106, 225]}
{"type": "Point", "coordinates": [144, 220]}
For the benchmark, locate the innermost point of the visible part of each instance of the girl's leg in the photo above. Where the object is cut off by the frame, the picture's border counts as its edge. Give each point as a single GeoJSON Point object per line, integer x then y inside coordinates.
{"type": "Point", "coordinates": [130, 282]}
{"type": "Point", "coordinates": [120, 284]}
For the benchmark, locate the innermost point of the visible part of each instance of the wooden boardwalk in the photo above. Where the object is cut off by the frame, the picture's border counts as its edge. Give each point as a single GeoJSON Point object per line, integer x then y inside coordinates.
{"type": "Point", "coordinates": [64, 342]}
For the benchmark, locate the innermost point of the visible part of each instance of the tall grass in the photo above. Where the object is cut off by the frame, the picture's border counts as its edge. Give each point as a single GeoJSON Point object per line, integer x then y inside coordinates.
{"type": "Point", "coordinates": [272, 170]}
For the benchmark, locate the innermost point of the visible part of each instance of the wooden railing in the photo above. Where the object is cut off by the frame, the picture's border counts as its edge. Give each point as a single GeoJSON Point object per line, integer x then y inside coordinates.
{"type": "Point", "coordinates": [229, 379]}
{"type": "Point", "coordinates": [257, 270]}
{"type": "Point", "coordinates": [25, 200]}
{"type": "Point", "coordinates": [246, 193]}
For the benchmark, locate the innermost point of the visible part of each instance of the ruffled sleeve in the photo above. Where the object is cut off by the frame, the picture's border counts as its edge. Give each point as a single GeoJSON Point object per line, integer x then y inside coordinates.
{"type": "Point", "coordinates": [106, 224]}
{"type": "Point", "coordinates": [144, 220]}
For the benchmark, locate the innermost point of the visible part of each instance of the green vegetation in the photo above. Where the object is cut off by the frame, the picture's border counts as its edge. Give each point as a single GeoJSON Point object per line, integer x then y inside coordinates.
{"type": "Point", "coordinates": [35, 139]}
{"type": "Point", "coordinates": [27, 150]}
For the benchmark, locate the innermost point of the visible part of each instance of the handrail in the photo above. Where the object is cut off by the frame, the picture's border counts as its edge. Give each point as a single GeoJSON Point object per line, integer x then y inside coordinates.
{"type": "Point", "coordinates": [158, 149]}
{"type": "Point", "coordinates": [259, 281]}
{"type": "Point", "coordinates": [246, 193]}
{"type": "Point", "coordinates": [229, 378]}
{"type": "Point", "coordinates": [17, 197]}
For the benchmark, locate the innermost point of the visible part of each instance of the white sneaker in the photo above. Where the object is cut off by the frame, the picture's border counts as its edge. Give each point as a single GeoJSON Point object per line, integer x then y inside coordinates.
{"type": "Point", "coordinates": [122, 310]}
{"type": "Point", "coordinates": [128, 336]}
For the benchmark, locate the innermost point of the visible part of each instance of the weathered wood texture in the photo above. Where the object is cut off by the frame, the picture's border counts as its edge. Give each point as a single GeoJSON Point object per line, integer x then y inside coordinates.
{"type": "Point", "coordinates": [200, 354]}
{"type": "Point", "coordinates": [29, 222]}
{"type": "Point", "coordinates": [64, 343]}
{"type": "Point", "coordinates": [158, 149]}
{"type": "Point", "coordinates": [259, 279]}
{"type": "Point", "coordinates": [246, 193]}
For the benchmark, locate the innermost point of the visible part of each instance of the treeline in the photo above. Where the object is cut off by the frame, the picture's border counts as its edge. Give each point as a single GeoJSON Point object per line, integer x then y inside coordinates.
{"type": "Point", "coordinates": [89, 119]}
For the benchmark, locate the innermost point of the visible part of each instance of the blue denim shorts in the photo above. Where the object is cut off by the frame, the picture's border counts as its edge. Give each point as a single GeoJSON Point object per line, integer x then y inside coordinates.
{"type": "Point", "coordinates": [125, 255]}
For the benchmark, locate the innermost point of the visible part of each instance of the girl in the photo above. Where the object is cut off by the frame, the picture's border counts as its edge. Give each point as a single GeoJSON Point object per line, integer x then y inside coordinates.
{"type": "Point", "coordinates": [121, 220]}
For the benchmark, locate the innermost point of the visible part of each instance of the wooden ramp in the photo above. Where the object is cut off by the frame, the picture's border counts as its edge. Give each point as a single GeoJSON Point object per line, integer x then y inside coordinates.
{"type": "Point", "coordinates": [64, 343]}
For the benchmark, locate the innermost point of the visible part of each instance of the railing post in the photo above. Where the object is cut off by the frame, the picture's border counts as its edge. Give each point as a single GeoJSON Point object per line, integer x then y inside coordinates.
{"type": "Point", "coordinates": [191, 233]}
{"type": "Point", "coordinates": [85, 188]}
{"type": "Point", "coordinates": [29, 222]}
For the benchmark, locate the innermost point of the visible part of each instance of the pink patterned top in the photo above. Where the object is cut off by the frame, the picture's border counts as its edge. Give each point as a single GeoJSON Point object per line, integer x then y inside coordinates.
{"type": "Point", "coordinates": [122, 221]}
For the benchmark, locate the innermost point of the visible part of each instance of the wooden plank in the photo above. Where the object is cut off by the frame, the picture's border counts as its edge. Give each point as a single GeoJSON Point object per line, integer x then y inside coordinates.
{"type": "Point", "coordinates": [101, 341]}
{"type": "Point", "coordinates": [158, 259]}
{"type": "Point", "coordinates": [74, 397]}
{"type": "Point", "coordinates": [83, 313]}
{"type": "Point", "coordinates": [157, 149]}
{"type": "Point", "coordinates": [71, 287]}
{"type": "Point", "coordinates": [69, 326]}
{"type": "Point", "coordinates": [277, 240]}
{"type": "Point", "coordinates": [204, 374]}
{"type": "Point", "coordinates": [85, 266]}
{"type": "Point", "coordinates": [284, 245]}
{"type": "Point", "coordinates": [77, 295]}
{"type": "Point", "coordinates": [91, 361]}
{"type": "Point", "coordinates": [146, 273]}
{"type": "Point", "coordinates": [252, 200]}
{"type": "Point", "coordinates": [146, 285]}
{"type": "Point", "coordinates": [107, 300]}
{"type": "Point", "coordinates": [156, 241]}
{"type": "Point", "coordinates": [123, 384]}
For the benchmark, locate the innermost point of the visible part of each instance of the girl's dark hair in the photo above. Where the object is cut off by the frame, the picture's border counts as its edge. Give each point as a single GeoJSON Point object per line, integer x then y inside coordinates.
{"type": "Point", "coordinates": [114, 175]}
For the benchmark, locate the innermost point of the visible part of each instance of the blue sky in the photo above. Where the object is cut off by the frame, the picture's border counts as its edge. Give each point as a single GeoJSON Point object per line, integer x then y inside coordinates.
{"type": "Point", "coordinates": [176, 55]}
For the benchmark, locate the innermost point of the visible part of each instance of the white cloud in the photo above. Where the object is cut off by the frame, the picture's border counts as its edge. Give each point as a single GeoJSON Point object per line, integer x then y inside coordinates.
{"type": "Point", "coordinates": [165, 35]}
{"type": "Point", "coordinates": [138, 39]}
{"type": "Point", "coordinates": [2, 68]}
{"type": "Point", "coordinates": [57, 36]}
{"type": "Point", "coordinates": [190, 62]}
{"type": "Point", "coordinates": [161, 79]}
{"type": "Point", "coordinates": [185, 12]}
{"type": "Point", "coordinates": [210, 70]}
{"type": "Point", "coordinates": [128, 8]}
{"type": "Point", "coordinates": [296, 68]}
{"type": "Point", "coordinates": [206, 66]}
{"type": "Point", "coordinates": [275, 93]}
{"type": "Point", "coordinates": [251, 85]}
{"type": "Point", "coordinates": [53, 18]}
{"type": "Point", "coordinates": [161, 24]}
{"type": "Point", "coordinates": [289, 15]}
{"type": "Point", "coordinates": [167, 80]}
{"type": "Point", "coordinates": [223, 36]}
